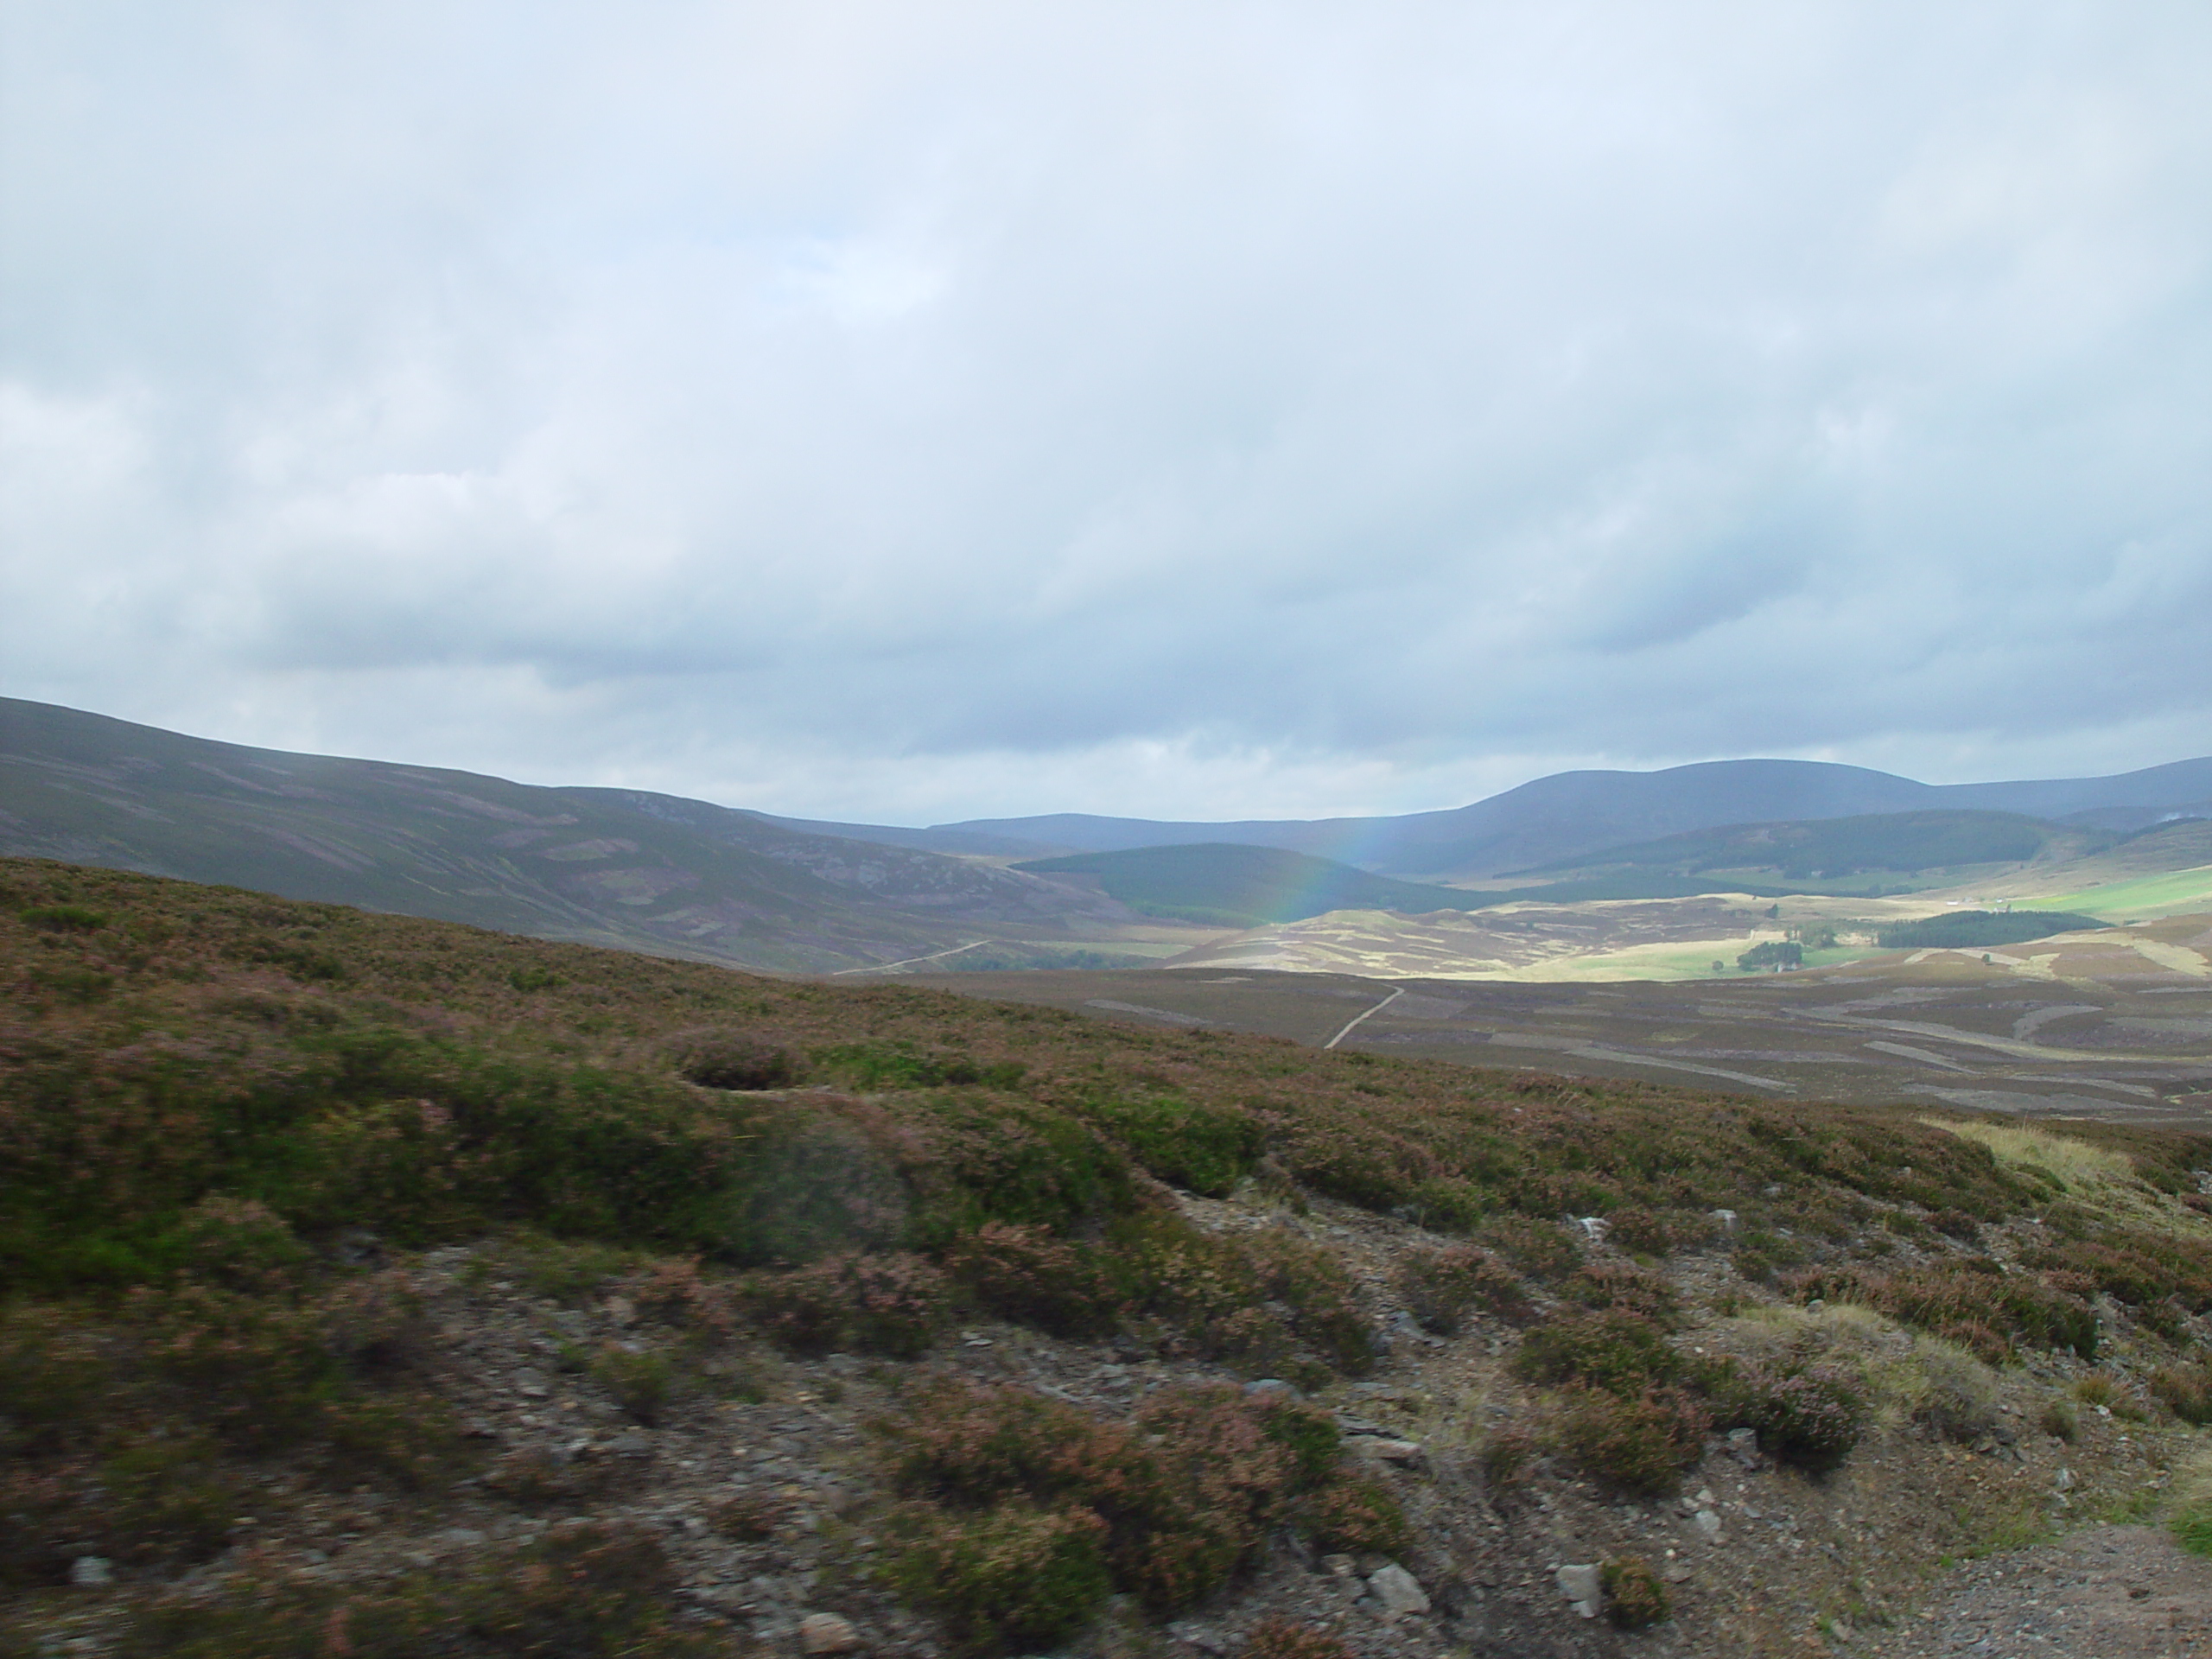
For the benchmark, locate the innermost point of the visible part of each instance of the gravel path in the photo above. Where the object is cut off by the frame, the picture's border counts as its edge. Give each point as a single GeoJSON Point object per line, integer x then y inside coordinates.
{"type": "Point", "coordinates": [2106, 1592]}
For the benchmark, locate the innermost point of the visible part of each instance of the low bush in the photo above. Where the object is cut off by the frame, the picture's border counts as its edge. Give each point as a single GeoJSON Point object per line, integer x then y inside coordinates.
{"type": "Point", "coordinates": [735, 1060]}
{"type": "Point", "coordinates": [534, 1478]}
{"type": "Point", "coordinates": [239, 1244]}
{"type": "Point", "coordinates": [1204, 1149]}
{"type": "Point", "coordinates": [1183, 1492]}
{"type": "Point", "coordinates": [897, 1062]}
{"type": "Point", "coordinates": [2134, 1266]}
{"type": "Point", "coordinates": [1012, 1578]}
{"type": "Point", "coordinates": [1639, 1443]}
{"type": "Point", "coordinates": [1358, 1517]}
{"type": "Point", "coordinates": [2060, 1421]}
{"type": "Point", "coordinates": [1279, 1638]}
{"type": "Point", "coordinates": [1617, 1286]}
{"type": "Point", "coordinates": [1635, 1597]}
{"type": "Point", "coordinates": [889, 1305]}
{"type": "Point", "coordinates": [1606, 1348]}
{"type": "Point", "coordinates": [1505, 1455]}
{"type": "Point", "coordinates": [2096, 1390]}
{"type": "Point", "coordinates": [678, 1292]}
{"type": "Point", "coordinates": [1951, 1392]}
{"type": "Point", "coordinates": [1542, 1249]}
{"type": "Point", "coordinates": [2186, 1391]}
{"type": "Point", "coordinates": [750, 1516]}
{"type": "Point", "coordinates": [1027, 1275]}
{"type": "Point", "coordinates": [2192, 1527]}
{"type": "Point", "coordinates": [1254, 1300]}
{"type": "Point", "coordinates": [1441, 1287]}
{"type": "Point", "coordinates": [168, 1502]}
{"type": "Point", "coordinates": [1644, 1231]}
{"type": "Point", "coordinates": [583, 1590]}
{"type": "Point", "coordinates": [1973, 1302]}
{"type": "Point", "coordinates": [641, 1380]}
{"type": "Point", "coordinates": [1810, 1415]}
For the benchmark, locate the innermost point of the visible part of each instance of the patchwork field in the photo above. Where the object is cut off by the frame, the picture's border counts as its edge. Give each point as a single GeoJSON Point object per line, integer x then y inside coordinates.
{"type": "Point", "coordinates": [2115, 1024]}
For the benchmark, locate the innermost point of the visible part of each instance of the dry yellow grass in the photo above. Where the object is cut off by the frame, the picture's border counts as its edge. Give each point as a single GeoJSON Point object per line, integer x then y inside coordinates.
{"type": "Point", "coordinates": [2075, 1163]}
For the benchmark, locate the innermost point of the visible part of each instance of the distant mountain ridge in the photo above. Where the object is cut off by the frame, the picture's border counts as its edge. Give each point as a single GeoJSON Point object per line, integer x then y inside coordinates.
{"type": "Point", "coordinates": [1553, 820]}
{"type": "Point", "coordinates": [624, 868]}
{"type": "Point", "coordinates": [662, 873]}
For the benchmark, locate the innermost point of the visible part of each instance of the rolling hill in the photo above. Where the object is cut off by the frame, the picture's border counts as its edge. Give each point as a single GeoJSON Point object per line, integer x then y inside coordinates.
{"type": "Point", "coordinates": [608, 867]}
{"type": "Point", "coordinates": [1889, 843]}
{"type": "Point", "coordinates": [1571, 815]}
{"type": "Point", "coordinates": [664, 874]}
{"type": "Point", "coordinates": [1230, 886]}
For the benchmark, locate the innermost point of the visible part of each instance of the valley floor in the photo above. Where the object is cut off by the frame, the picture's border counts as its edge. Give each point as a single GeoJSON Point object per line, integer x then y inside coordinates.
{"type": "Point", "coordinates": [2115, 1026]}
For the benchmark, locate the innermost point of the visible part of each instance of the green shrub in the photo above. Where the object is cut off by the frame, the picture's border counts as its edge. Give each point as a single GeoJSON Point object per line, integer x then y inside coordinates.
{"type": "Point", "coordinates": [1505, 1456]}
{"type": "Point", "coordinates": [1627, 1289]}
{"type": "Point", "coordinates": [169, 1501]}
{"type": "Point", "coordinates": [736, 1060]}
{"type": "Point", "coordinates": [256, 1370]}
{"type": "Point", "coordinates": [2186, 1391]}
{"type": "Point", "coordinates": [1186, 1489]}
{"type": "Point", "coordinates": [1645, 1231]}
{"type": "Point", "coordinates": [679, 1293]}
{"type": "Point", "coordinates": [2131, 1264]}
{"type": "Point", "coordinates": [238, 1244]}
{"type": "Point", "coordinates": [2060, 1420]}
{"type": "Point", "coordinates": [1606, 1348]}
{"type": "Point", "coordinates": [1635, 1597]}
{"type": "Point", "coordinates": [408, 1440]}
{"type": "Point", "coordinates": [982, 1157]}
{"type": "Point", "coordinates": [1025, 1274]}
{"type": "Point", "coordinates": [889, 1305]}
{"type": "Point", "coordinates": [1250, 1299]}
{"type": "Point", "coordinates": [1973, 1302]}
{"type": "Point", "coordinates": [1640, 1443]}
{"type": "Point", "coordinates": [535, 1478]}
{"type": "Point", "coordinates": [750, 1516]}
{"type": "Point", "coordinates": [1542, 1249]}
{"type": "Point", "coordinates": [583, 1590]}
{"type": "Point", "coordinates": [640, 1380]}
{"type": "Point", "coordinates": [1358, 1517]}
{"type": "Point", "coordinates": [64, 918]}
{"type": "Point", "coordinates": [1440, 1287]}
{"type": "Point", "coordinates": [1204, 1149]}
{"type": "Point", "coordinates": [2192, 1529]}
{"type": "Point", "coordinates": [901, 1064]}
{"type": "Point", "coordinates": [1277, 1638]}
{"type": "Point", "coordinates": [1014, 1578]}
{"type": "Point", "coordinates": [1809, 1415]}
{"type": "Point", "coordinates": [817, 1179]}
{"type": "Point", "coordinates": [1956, 1395]}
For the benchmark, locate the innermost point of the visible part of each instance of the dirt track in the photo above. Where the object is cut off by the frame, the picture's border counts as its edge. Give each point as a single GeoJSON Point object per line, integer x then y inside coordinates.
{"type": "Point", "coordinates": [2106, 1592]}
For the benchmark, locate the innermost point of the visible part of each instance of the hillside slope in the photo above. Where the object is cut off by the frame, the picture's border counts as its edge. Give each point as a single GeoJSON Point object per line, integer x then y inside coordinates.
{"type": "Point", "coordinates": [612, 867]}
{"type": "Point", "coordinates": [376, 1286]}
{"type": "Point", "coordinates": [1900, 843]}
{"type": "Point", "coordinates": [1244, 886]}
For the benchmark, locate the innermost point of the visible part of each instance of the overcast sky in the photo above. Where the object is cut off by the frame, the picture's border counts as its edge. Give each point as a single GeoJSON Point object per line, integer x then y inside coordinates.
{"type": "Point", "coordinates": [918, 411]}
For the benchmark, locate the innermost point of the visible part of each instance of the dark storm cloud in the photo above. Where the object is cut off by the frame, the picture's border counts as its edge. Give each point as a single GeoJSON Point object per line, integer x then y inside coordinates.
{"type": "Point", "coordinates": [1219, 409]}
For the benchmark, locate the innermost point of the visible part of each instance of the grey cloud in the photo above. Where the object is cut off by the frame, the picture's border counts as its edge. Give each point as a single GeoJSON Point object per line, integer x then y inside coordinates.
{"type": "Point", "coordinates": [842, 402]}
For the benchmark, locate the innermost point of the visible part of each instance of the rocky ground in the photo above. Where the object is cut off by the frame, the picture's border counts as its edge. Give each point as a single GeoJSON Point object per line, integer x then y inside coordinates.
{"type": "Point", "coordinates": [759, 1476]}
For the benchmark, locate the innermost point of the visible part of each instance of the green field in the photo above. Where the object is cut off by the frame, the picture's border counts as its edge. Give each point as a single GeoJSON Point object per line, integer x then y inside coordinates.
{"type": "Point", "coordinates": [2176, 893]}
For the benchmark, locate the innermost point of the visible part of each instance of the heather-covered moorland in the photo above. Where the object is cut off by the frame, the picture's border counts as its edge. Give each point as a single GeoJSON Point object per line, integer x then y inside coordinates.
{"type": "Point", "coordinates": [276, 1179]}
